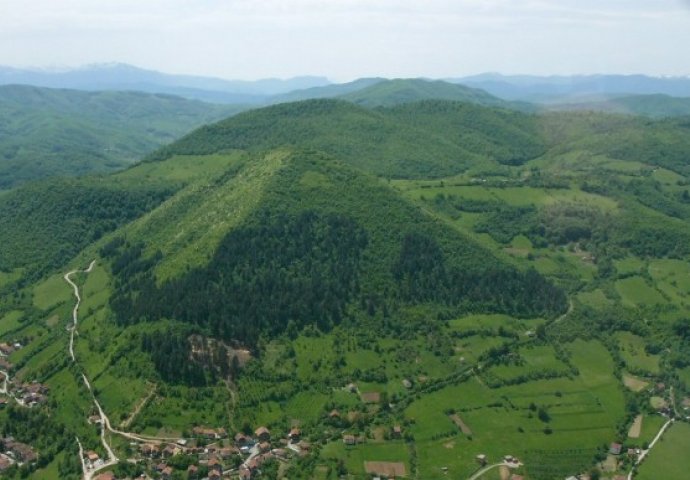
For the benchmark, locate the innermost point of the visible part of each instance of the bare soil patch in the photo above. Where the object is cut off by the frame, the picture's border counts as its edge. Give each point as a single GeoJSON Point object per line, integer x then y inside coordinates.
{"type": "Point", "coordinates": [635, 384]}
{"type": "Point", "coordinates": [386, 469]}
{"type": "Point", "coordinates": [636, 427]}
{"type": "Point", "coordinates": [461, 425]}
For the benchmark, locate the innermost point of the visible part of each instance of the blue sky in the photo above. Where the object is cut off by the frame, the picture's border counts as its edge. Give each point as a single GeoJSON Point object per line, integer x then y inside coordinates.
{"type": "Point", "coordinates": [345, 39]}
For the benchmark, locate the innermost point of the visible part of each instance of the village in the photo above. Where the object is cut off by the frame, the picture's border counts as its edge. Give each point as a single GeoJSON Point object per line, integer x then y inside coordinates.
{"type": "Point", "coordinates": [211, 454]}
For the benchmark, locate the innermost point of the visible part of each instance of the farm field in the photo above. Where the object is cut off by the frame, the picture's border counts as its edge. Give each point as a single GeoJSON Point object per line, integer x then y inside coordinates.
{"type": "Point", "coordinates": [669, 459]}
{"type": "Point", "coordinates": [634, 292]}
{"type": "Point", "coordinates": [502, 421]}
{"type": "Point", "coordinates": [10, 321]}
{"type": "Point", "coordinates": [633, 353]}
{"type": "Point", "coordinates": [354, 456]}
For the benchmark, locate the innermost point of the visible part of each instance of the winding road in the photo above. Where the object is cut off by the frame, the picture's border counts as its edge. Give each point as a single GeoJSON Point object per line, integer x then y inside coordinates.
{"type": "Point", "coordinates": [105, 421]}
{"type": "Point", "coordinates": [75, 311]}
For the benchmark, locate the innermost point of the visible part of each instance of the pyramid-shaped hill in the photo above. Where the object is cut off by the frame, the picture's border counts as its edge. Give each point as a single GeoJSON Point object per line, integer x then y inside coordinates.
{"type": "Point", "coordinates": [321, 244]}
{"type": "Point", "coordinates": [388, 142]}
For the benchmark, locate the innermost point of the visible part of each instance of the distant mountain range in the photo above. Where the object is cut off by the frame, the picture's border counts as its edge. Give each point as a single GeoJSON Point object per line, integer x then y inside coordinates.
{"type": "Point", "coordinates": [575, 89]}
{"type": "Point", "coordinates": [556, 88]}
{"type": "Point", "coordinates": [117, 76]}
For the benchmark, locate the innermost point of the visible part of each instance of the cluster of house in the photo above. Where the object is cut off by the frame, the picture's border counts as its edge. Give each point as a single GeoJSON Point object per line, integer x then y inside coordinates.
{"type": "Point", "coordinates": [396, 432]}
{"type": "Point", "coordinates": [31, 394]}
{"type": "Point", "coordinates": [242, 457]}
{"type": "Point", "coordinates": [7, 349]}
{"type": "Point", "coordinates": [12, 452]}
{"type": "Point", "coordinates": [617, 449]}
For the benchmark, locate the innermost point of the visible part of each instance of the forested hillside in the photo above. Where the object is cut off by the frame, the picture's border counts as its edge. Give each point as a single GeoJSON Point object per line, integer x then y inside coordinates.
{"type": "Point", "coordinates": [46, 132]}
{"type": "Point", "coordinates": [402, 287]}
{"type": "Point", "coordinates": [389, 142]}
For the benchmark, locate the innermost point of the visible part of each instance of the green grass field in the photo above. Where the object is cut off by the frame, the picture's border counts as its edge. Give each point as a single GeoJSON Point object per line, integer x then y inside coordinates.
{"type": "Point", "coordinates": [669, 459]}
{"type": "Point", "coordinates": [633, 353]}
{"type": "Point", "coordinates": [355, 456]}
{"type": "Point", "coordinates": [634, 292]}
{"type": "Point", "coordinates": [51, 292]}
{"type": "Point", "coordinates": [10, 321]}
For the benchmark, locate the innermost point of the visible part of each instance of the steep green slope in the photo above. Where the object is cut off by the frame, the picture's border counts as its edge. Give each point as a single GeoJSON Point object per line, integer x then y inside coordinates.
{"type": "Point", "coordinates": [322, 242]}
{"type": "Point", "coordinates": [45, 132]}
{"type": "Point", "coordinates": [387, 142]}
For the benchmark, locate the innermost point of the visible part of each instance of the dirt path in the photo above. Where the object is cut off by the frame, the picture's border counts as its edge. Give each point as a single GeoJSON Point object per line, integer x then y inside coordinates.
{"type": "Point", "coordinates": [491, 467]}
{"type": "Point", "coordinates": [128, 421]}
{"type": "Point", "coordinates": [105, 421]}
{"type": "Point", "coordinates": [75, 310]}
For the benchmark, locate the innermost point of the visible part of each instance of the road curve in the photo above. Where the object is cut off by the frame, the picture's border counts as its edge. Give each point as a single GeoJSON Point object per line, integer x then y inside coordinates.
{"type": "Point", "coordinates": [491, 467]}
{"type": "Point", "coordinates": [75, 310]}
{"type": "Point", "coordinates": [105, 421]}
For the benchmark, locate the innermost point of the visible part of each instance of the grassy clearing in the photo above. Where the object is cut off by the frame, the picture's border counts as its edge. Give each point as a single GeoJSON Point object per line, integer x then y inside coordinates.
{"type": "Point", "coordinates": [684, 375]}
{"type": "Point", "coordinates": [629, 265]}
{"type": "Point", "coordinates": [632, 348]}
{"type": "Point", "coordinates": [181, 408]}
{"type": "Point", "coordinates": [671, 277]}
{"type": "Point", "coordinates": [533, 359]}
{"type": "Point", "coordinates": [51, 292]}
{"type": "Point", "coordinates": [182, 168]}
{"type": "Point", "coordinates": [355, 456]}
{"type": "Point", "coordinates": [10, 321]}
{"type": "Point", "coordinates": [9, 277]}
{"type": "Point", "coordinates": [595, 298]}
{"type": "Point", "coordinates": [669, 459]}
{"type": "Point", "coordinates": [650, 427]}
{"type": "Point", "coordinates": [635, 292]}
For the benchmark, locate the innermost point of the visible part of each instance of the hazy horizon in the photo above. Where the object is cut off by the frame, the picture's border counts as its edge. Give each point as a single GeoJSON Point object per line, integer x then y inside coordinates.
{"type": "Point", "coordinates": [105, 64]}
{"type": "Point", "coordinates": [347, 39]}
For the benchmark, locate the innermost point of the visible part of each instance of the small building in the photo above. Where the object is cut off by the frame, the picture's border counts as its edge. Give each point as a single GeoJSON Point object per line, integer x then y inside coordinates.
{"type": "Point", "coordinates": [262, 434]}
{"type": "Point", "coordinates": [92, 456]}
{"type": "Point", "coordinates": [397, 431]}
{"type": "Point", "coordinates": [150, 450]}
{"type": "Point", "coordinates": [481, 459]}
{"type": "Point", "coordinates": [241, 439]}
{"type": "Point", "coordinates": [516, 477]}
{"type": "Point", "coordinates": [615, 448]}
{"type": "Point", "coordinates": [334, 414]}
{"type": "Point", "coordinates": [294, 434]}
{"type": "Point", "coordinates": [406, 383]}
{"type": "Point", "coordinates": [264, 447]}
{"type": "Point", "coordinates": [5, 463]}
{"type": "Point", "coordinates": [349, 439]}
{"type": "Point", "coordinates": [245, 473]}
{"type": "Point", "coordinates": [166, 473]}
{"type": "Point", "coordinates": [214, 464]}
